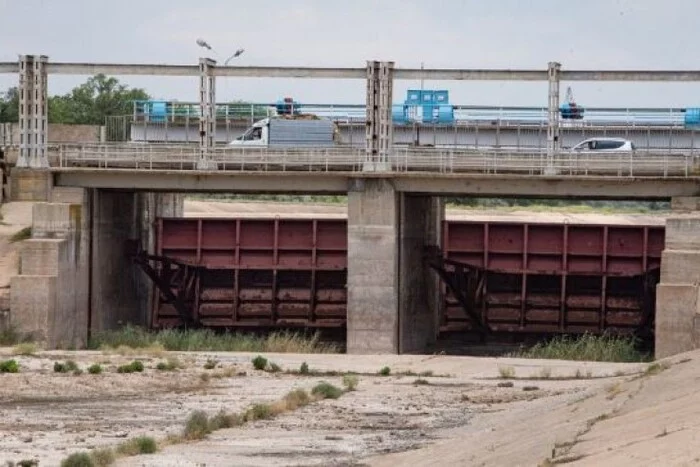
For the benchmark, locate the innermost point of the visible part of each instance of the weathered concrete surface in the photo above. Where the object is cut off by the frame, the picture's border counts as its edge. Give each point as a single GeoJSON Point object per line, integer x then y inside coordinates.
{"type": "Point", "coordinates": [677, 304]}
{"type": "Point", "coordinates": [392, 298]}
{"type": "Point", "coordinates": [419, 300]}
{"type": "Point", "coordinates": [49, 297]}
{"type": "Point", "coordinates": [121, 293]}
{"type": "Point", "coordinates": [60, 133]}
{"type": "Point", "coordinates": [30, 184]}
{"type": "Point", "coordinates": [373, 268]}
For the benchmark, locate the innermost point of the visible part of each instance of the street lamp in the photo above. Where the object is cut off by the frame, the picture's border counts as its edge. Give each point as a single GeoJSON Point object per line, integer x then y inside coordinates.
{"type": "Point", "coordinates": [205, 45]}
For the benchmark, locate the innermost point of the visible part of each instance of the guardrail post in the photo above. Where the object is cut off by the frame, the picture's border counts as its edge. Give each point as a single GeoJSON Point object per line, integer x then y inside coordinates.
{"type": "Point", "coordinates": [207, 117]}
{"type": "Point", "coordinates": [553, 143]}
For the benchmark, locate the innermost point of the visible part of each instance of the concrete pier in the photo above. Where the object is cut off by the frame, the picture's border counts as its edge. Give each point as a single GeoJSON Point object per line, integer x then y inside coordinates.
{"type": "Point", "coordinates": [678, 292]}
{"type": "Point", "coordinates": [392, 298]}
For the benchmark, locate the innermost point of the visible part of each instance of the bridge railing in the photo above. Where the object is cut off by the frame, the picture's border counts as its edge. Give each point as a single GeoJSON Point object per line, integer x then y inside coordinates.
{"type": "Point", "coordinates": [678, 163]}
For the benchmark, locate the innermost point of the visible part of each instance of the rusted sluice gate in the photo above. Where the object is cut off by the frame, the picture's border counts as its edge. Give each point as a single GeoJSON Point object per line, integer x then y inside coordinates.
{"type": "Point", "coordinates": [496, 276]}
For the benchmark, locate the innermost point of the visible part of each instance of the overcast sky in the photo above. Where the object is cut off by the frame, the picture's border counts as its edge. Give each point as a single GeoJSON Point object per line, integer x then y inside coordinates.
{"type": "Point", "coordinates": [582, 34]}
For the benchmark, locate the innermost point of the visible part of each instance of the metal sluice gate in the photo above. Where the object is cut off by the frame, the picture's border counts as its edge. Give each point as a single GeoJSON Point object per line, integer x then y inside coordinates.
{"type": "Point", "coordinates": [496, 277]}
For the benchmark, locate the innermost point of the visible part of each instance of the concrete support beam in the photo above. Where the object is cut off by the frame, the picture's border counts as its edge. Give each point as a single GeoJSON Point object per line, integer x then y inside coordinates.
{"type": "Point", "coordinates": [30, 184]}
{"type": "Point", "coordinates": [392, 298]}
{"type": "Point", "coordinates": [553, 143]}
{"type": "Point", "coordinates": [380, 127]}
{"type": "Point", "coordinates": [678, 292]}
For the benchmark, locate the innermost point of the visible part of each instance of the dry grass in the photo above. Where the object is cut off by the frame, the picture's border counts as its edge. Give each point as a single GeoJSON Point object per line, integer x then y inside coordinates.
{"type": "Point", "coordinates": [25, 349]}
{"type": "Point", "coordinates": [506, 372]}
{"type": "Point", "coordinates": [24, 234]}
{"type": "Point", "coordinates": [588, 347]}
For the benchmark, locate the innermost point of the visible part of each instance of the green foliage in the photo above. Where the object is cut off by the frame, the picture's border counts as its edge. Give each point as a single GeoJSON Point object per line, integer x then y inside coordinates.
{"type": "Point", "coordinates": [101, 96]}
{"type": "Point", "coordinates": [9, 366]}
{"type": "Point", "coordinates": [9, 106]}
{"type": "Point", "coordinates": [224, 420]}
{"type": "Point", "coordinates": [95, 369]}
{"type": "Point", "coordinates": [69, 366]}
{"type": "Point", "coordinates": [133, 367]}
{"type": "Point", "coordinates": [325, 390]}
{"type": "Point", "coordinates": [193, 340]}
{"type": "Point", "coordinates": [304, 369]}
{"type": "Point", "coordinates": [260, 362]}
{"type": "Point", "coordinates": [386, 371]}
{"type": "Point", "coordinates": [588, 347]}
{"type": "Point", "coordinates": [170, 364]}
{"type": "Point", "coordinates": [563, 205]}
{"type": "Point", "coordinates": [78, 459]}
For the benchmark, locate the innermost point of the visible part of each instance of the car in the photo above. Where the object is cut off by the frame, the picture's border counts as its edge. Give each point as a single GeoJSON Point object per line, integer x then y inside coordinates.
{"type": "Point", "coordinates": [604, 145]}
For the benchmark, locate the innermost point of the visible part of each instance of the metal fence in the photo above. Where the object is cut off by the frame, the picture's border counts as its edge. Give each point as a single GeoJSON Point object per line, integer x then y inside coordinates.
{"type": "Point", "coordinates": [640, 163]}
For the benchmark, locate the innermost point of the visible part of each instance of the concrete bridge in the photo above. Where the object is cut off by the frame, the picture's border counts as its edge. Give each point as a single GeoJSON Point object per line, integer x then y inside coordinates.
{"type": "Point", "coordinates": [98, 199]}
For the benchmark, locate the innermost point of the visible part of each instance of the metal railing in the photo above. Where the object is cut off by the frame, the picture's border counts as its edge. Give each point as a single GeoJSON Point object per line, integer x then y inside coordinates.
{"type": "Point", "coordinates": [640, 163]}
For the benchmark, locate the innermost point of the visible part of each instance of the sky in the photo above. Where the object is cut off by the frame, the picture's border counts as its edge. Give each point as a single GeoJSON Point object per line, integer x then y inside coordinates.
{"type": "Point", "coordinates": [580, 34]}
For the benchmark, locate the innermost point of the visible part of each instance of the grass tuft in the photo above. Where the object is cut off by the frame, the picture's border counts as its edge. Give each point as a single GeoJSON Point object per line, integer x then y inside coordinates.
{"type": "Point", "coordinates": [296, 398]}
{"type": "Point", "coordinates": [95, 369]}
{"type": "Point", "coordinates": [136, 446]}
{"type": "Point", "coordinates": [25, 348]}
{"type": "Point", "coordinates": [67, 367]}
{"type": "Point", "coordinates": [386, 371]}
{"type": "Point", "coordinates": [191, 340]}
{"type": "Point", "coordinates": [103, 457]}
{"type": "Point", "coordinates": [197, 425]}
{"type": "Point", "coordinates": [656, 368]}
{"type": "Point", "coordinates": [324, 390]}
{"type": "Point", "coordinates": [170, 364]}
{"type": "Point", "coordinates": [259, 412]}
{"type": "Point", "coordinates": [9, 366]}
{"type": "Point", "coordinates": [210, 364]}
{"type": "Point", "coordinates": [350, 382]}
{"type": "Point", "coordinates": [421, 382]}
{"type": "Point", "coordinates": [134, 367]}
{"type": "Point", "coordinates": [506, 372]}
{"type": "Point", "coordinates": [275, 368]}
{"type": "Point", "coordinates": [588, 347]}
{"type": "Point", "coordinates": [223, 420]}
{"type": "Point", "coordinates": [78, 459]}
{"type": "Point", "coordinates": [304, 369]}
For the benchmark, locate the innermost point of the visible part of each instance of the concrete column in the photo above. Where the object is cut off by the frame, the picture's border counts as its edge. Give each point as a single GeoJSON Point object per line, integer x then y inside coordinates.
{"type": "Point", "coordinates": [553, 142]}
{"type": "Point", "coordinates": [678, 292]}
{"type": "Point", "coordinates": [33, 104]}
{"type": "Point", "coordinates": [207, 118]}
{"type": "Point", "coordinates": [392, 298]}
{"type": "Point", "coordinates": [379, 134]}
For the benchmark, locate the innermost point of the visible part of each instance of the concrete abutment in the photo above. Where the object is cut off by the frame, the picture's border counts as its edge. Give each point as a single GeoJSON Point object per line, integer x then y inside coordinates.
{"type": "Point", "coordinates": [392, 298]}
{"type": "Point", "coordinates": [75, 273]}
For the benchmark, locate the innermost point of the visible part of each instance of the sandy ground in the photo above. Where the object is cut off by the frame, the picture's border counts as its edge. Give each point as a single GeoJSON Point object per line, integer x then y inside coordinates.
{"type": "Point", "coordinates": [47, 416]}
{"type": "Point", "coordinates": [199, 208]}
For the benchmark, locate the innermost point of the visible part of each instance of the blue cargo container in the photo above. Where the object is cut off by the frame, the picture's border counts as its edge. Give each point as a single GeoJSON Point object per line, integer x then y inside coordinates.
{"type": "Point", "coordinates": [425, 106]}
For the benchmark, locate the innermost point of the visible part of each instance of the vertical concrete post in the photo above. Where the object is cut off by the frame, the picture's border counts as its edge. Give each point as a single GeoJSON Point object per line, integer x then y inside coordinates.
{"type": "Point", "coordinates": [678, 292]}
{"type": "Point", "coordinates": [207, 117]}
{"type": "Point", "coordinates": [379, 126]}
{"type": "Point", "coordinates": [553, 143]}
{"type": "Point", "coordinates": [33, 123]}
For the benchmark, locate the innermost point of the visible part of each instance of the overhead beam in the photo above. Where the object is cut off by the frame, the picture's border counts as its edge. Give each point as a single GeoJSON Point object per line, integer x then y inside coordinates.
{"type": "Point", "coordinates": [360, 73]}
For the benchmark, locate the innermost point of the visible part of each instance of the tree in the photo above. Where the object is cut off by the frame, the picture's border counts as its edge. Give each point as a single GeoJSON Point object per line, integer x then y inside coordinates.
{"type": "Point", "coordinates": [91, 102]}
{"type": "Point", "coordinates": [9, 106]}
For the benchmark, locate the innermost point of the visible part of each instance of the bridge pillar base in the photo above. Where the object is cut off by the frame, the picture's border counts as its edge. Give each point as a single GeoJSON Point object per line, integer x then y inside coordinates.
{"type": "Point", "coordinates": [370, 166]}
{"type": "Point", "coordinates": [678, 292]}
{"type": "Point", "coordinates": [392, 298]}
{"type": "Point", "coordinates": [30, 184]}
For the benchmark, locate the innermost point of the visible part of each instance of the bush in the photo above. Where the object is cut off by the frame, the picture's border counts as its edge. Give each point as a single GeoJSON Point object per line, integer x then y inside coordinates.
{"type": "Point", "coordinates": [275, 368]}
{"type": "Point", "coordinates": [386, 371]}
{"type": "Point", "coordinates": [25, 348]}
{"type": "Point", "coordinates": [325, 390]}
{"type": "Point", "coordinates": [259, 362]}
{"type": "Point", "coordinates": [139, 445]}
{"type": "Point", "coordinates": [79, 459]}
{"type": "Point", "coordinates": [259, 412]}
{"type": "Point", "coordinates": [95, 369]}
{"type": "Point", "coordinates": [170, 364]}
{"type": "Point", "coordinates": [134, 367]}
{"type": "Point", "coordinates": [350, 382]}
{"type": "Point", "coordinates": [304, 369]}
{"type": "Point", "coordinates": [103, 457]}
{"type": "Point", "coordinates": [223, 420]}
{"type": "Point", "coordinates": [210, 364]}
{"type": "Point", "coordinates": [197, 425]}
{"type": "Point", "coordinates": [506, 372]}
{"type": "Point", "coordinates": [9, 366]}
{"type": "Point", "coordinates": [296, 398]}
{"type": "Point", "coordinates": [69, 366]}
